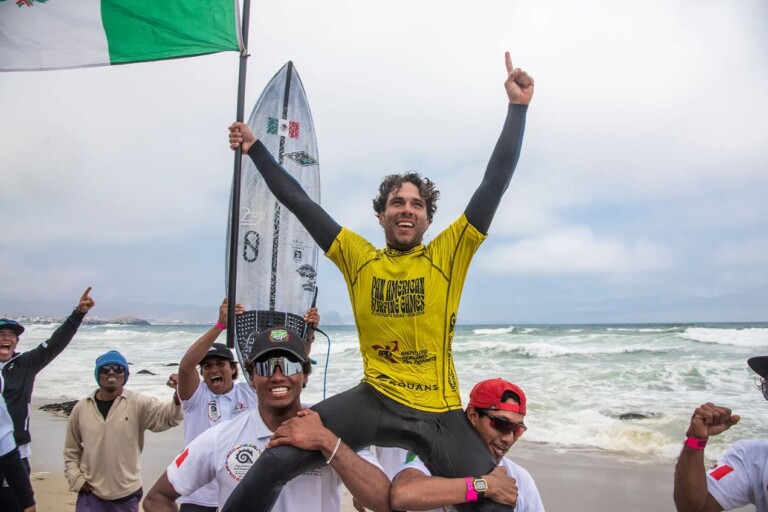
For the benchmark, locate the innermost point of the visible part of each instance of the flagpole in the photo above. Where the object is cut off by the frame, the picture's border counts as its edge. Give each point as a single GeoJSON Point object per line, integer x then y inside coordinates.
{"type": "Point", "coordinates": [234, 217]}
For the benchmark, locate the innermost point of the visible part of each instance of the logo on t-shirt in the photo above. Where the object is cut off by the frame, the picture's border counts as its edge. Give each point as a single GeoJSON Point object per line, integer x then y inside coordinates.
{"type": "Point", "coordinates": [397, 297]}
{"type": "Point", "coordinates": [721, 471]}
{"type": "Point", "coordinates": [181, 457]}
{"type": "Point", "coordinates": [213, 411]}
{"type": "Point", "coordinates": [240, 459]}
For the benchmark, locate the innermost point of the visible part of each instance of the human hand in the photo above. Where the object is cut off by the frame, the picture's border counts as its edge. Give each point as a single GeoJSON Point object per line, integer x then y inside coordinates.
{"type": "Point", "coordinates": [502, 488]}
{"type": "Point", "coordinates": [239, 310]}
{"type": "Point", "coordinates": [86, 488]}
{"type": "Point", "coordinates": [358, 506]}
{"type": "Point", "coordinates": [312, 316]}
{"type": "Point", "coordinates": [305, 431]}
{"type": "Point", "coordinates": [86, 302]}
{"type": "Point", "coordinates": [173, 380]}
{"type": "Point", "coordinates": [710, 420]}
{"type": "Point", "coordinates": [519, 84]}
{"type": "Point", "coordinates": [241, 134]}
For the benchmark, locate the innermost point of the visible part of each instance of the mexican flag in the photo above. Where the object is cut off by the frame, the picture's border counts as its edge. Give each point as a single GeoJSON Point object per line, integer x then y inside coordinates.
{"type": "Point", "coordinates": [57, 34]}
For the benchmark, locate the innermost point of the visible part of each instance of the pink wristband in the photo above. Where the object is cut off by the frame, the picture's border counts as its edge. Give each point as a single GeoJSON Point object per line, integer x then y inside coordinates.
{"type": "Point", "coordinates": [221, 326]}
{"type": "Point", "coordinates": [695, 443]}
{"type": "Point", "coordinates": [471, 492]}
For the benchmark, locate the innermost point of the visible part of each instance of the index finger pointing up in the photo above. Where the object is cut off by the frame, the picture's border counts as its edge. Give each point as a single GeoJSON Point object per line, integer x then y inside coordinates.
{"type": "Point", "coordinates": [508, 60]}
{"type": "Point", "coordinates": [85, 293]}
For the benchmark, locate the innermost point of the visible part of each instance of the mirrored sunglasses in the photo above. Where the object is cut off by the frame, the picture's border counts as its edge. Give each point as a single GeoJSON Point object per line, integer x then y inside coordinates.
{"type": "Point", "coordinates": [116, 368]}
{"type": "Point", "coordinates": [267, 367]}
{"type": "Point", "coordinates": [504, 425]}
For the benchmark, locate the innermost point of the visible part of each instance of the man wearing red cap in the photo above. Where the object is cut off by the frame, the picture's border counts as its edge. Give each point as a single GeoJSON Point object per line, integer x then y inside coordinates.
{"type": "Point", "coordinates": [740, 478]}
{"type": "Point", "coordinates": [496, 411]}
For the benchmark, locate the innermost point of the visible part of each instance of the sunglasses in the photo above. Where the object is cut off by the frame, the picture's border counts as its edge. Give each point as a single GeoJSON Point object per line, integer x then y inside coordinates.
{"type": "Point", "coordinates": [116, 368]}
{"type": "Point", "coordinates": [267, 367]}
{"type": "Point", "coordinates": [503, 425]}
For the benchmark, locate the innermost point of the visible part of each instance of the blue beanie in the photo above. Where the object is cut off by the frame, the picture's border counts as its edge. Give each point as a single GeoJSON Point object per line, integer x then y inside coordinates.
{"type": "Point", "coordinates": [113, 356]}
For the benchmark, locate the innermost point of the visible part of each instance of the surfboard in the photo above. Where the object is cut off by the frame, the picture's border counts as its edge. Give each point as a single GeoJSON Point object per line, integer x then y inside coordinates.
{"type": "Point", "coordinates": [277, 259]}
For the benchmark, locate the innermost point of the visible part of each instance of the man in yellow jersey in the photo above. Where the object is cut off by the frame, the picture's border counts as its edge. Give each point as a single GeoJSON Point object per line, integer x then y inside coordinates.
{"type": "Point", "coordinates": [405, 298]}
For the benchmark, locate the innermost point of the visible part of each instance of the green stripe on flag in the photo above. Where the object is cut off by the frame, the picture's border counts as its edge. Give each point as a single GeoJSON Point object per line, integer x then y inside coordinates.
{"type": "Point", "coordinates": [141, 30]}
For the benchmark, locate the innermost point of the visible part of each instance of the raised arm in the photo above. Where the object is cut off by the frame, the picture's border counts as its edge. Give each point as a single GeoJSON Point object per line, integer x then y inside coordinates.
{"type": "Point", "coordinates": [286, 189]}
{"type": "Point", "coordinates": [691, 493]}
{"type": "Point", "coordinates": [188, 379]}
{"type": "Point", "coordinates": [41, 355]}
{"type": "Point", "coordinates": [366, 482]}
{"type": "Point", "coordinates": [482, 207]}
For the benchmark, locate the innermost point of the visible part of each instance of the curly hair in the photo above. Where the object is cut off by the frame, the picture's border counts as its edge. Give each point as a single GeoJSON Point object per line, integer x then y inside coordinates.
{"type": "Point", "coordinates": [393, 182]}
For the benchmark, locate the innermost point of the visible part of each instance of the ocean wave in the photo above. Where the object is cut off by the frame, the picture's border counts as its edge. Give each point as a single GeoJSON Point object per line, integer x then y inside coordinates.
{"type": "Point", "coordinates": [499, 330]}
{"type": "Point", "coordinates": [751, 337]}
{"type": "Point", "coordinates": [548, 350]}
{"type": "Point", "coordinates": [643, 329]}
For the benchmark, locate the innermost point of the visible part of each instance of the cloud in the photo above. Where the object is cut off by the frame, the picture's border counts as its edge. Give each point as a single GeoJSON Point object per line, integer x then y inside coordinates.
{"type": "Point", "coordinates": [575, 250]}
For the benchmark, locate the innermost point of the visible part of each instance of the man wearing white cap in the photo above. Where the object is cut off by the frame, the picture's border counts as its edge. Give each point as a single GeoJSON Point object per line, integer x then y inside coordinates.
{"type": "Point", "coordinates": [740, 478]}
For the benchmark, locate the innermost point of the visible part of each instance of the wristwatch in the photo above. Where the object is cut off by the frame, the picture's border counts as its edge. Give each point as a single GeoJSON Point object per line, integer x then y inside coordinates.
{"type": "Point", "coordinates": [481, 486]}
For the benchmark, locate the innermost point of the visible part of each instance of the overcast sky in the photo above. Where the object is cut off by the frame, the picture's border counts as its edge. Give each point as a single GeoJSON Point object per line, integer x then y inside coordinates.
{"type": "Point", "coordinates": [641, 194]}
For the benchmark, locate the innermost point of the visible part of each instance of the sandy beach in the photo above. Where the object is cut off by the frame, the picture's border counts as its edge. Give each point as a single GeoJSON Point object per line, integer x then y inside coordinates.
{"type": "Point", "coordinates": [582, 482]}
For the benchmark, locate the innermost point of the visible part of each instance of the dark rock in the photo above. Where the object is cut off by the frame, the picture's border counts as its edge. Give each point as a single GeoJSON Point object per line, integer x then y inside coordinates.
{"type": "Point", "coordinates": [63, 407]}
{"type": "Point", "coordinates": [633, 416]}
{"type": "Point", "coordinates": [172, 364]}
{"type": "Point", "coordinates": [144, 372]}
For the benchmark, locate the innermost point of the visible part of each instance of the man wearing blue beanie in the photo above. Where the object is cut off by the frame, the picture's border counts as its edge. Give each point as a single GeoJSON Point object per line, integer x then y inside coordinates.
{"type": "Point", "coordinates": [113, 356]}
{"type": "Point", "coordinates": [108, 426]}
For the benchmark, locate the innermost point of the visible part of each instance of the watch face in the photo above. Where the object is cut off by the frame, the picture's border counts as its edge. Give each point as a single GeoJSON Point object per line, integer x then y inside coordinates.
{"type": "Point", "coordinates": [481, 485]}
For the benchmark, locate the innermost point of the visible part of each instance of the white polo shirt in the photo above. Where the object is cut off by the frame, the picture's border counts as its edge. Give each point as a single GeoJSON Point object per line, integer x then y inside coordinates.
{"type": "Point", "coordinates": [528, 498]}
{"type": "Point", "coordinates": [226, 452]}
{"type": "Point", "coordinates": [204, 410]}
{"type": "Point", "coordinates": [741, 477]}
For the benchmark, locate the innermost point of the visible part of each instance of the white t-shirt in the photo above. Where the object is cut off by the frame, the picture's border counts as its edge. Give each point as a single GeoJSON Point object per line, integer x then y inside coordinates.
{"type": "Point", "coordinates": [226, 452]}
{"type": "Point", "coordinates": [741, 477]}
{"type": "Point", "coordinates": [528, 499]}
{"type": "Point", "coordinates": [204, 410]}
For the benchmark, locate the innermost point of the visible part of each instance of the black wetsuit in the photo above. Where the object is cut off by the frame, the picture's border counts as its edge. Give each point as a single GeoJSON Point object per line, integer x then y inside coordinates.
{"type": "Point", "coordinates": [363, 416]}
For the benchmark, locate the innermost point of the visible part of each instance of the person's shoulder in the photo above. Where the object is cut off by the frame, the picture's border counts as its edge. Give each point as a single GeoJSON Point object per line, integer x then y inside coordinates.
{"type": "Point", "coordinates": [749, 448]}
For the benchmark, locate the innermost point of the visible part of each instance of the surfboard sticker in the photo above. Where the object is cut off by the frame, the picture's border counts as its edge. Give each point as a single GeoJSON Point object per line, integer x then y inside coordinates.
{"type": "Point", "coordinates": [277, 259]}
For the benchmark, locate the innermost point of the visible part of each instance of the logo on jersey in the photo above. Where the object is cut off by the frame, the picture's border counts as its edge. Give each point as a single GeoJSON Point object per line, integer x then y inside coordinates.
{"type": "Point", "coordinates": [397, 297]}
{"type": "Point", "coordinates": [418, 357]}
{"type": "Point", "coordinates": [213, 411]}
{"type": "Point", "coordinates": [181, 457]}
{"type": "Point", "coordinates": [240, 459]}
{"type": "Point", "coordinates": [408, 385]}
{"type": "Point", "coordinates": [239, 407]}
{"type": "Point", "coordinates": [720, 472]}
{"type": "Point", "coordinates": [386, 351]}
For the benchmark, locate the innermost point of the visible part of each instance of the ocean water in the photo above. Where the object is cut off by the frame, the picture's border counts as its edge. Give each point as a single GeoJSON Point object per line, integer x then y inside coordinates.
{"type": "Point", "coordinates": [579, 379]}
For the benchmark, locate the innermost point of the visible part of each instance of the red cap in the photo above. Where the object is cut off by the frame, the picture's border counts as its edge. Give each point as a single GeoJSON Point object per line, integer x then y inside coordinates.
{"type": "Point", "coordinates": [487, 395]}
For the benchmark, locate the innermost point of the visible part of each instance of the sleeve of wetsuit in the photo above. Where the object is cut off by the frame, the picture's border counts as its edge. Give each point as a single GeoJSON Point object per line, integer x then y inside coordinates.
{"type": "Point", "coordinates": [289, 192]}
{"type": "Point", "coordinates": [482, 207]}
{"type": "Point", "coordinates": [39, 357]}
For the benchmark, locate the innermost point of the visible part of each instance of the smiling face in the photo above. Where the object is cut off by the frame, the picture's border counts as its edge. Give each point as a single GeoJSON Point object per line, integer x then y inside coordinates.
{"type": "Point", "coordinates": [404, 218]}
{"type": "Point", "coordinates": [279, 393]}
{"type": "Point", "coordinates": [498, 442]}
{"type": "Point", "coordinates": [8, 342]}
{"type": "Point", "coordinates": [218, 374]}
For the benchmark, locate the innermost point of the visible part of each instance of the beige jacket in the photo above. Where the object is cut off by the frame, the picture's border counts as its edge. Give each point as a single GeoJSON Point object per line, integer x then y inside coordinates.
{"type": "Point", "coordinates": [105, 453]}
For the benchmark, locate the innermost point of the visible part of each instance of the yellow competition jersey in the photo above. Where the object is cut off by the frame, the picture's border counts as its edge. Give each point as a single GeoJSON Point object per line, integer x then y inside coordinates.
{"type": "Point", "coordinates": [405, 306]}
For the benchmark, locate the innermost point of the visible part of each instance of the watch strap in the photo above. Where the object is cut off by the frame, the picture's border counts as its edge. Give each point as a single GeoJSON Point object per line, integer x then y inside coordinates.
{"type": "Point", "coordinates": [471, 492]}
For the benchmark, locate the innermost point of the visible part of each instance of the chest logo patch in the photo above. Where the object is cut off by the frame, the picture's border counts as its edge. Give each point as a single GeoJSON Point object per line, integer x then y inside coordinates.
{"type": "Point", "coordinates": [240, 459]}
{"type": "Point", "coordinates": [213, 411]}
